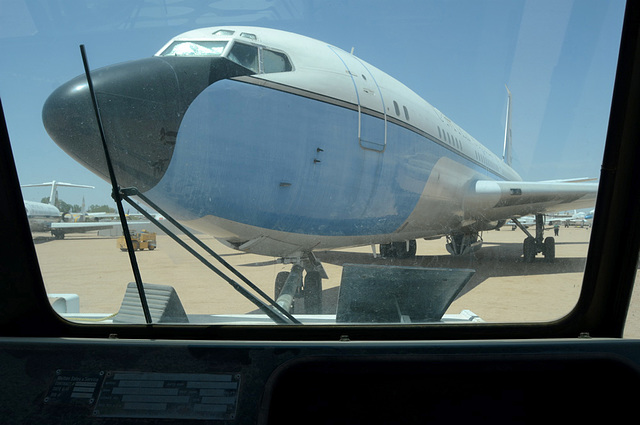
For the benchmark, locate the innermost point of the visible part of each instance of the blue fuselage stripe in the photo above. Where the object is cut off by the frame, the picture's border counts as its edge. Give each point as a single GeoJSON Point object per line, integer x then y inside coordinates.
{"type": "Point", "coordinates": [284, 162]}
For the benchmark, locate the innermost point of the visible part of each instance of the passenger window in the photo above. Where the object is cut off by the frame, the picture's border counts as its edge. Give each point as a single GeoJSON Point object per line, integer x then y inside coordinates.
{"type": "Point", "coordinates": [406, 112]}
{"type": "Point", "coordinates": [245, 55]}
{"type": "Point", "coordinates": [274, 62]}
{"type": "Point", "coordinates": [397, 108]}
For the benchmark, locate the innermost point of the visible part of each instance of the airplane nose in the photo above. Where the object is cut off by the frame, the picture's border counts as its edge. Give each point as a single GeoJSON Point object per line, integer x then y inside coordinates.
{"type": "Point", "coordinates": [141, 105]}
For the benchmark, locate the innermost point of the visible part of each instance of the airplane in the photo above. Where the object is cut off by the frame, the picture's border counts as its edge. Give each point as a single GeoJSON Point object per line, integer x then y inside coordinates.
{"type": "Point", "coordinates": [577, 218]}
{"type": "Point", "coordinates": [303, 152]}
{"type": "Point", "coordinates": [84, 216]}
{"type": "Point", "coordinates": [589, 217]}
{"type": "Point", "coordinates": [45, 217]}
{"type": "Point", "coordinates": [526, 221]}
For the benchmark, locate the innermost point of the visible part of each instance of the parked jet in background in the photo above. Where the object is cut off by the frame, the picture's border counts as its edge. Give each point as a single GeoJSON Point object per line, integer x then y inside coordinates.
{"type": "Point", "coordinates": [45, 217]}
{"type": "Point", "coordinates": [577, 218]}
{"type": "Point", "coordinates": [242, 134]}
{"type": "Point", "coordinates": [526, 221]}
{"type": "Point", "coordinates": [84, 216]}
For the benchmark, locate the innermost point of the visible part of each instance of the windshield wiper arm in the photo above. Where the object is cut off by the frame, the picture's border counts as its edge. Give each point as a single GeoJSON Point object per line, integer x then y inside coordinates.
{"type": "Point", "coordinates": [273, 309]}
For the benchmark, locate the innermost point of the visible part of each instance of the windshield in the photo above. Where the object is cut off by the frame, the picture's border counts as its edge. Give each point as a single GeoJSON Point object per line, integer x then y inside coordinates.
{"type": "Point", "coordinates": [428, 162]}
{"type": "Point", "coordinates": [195, 48]}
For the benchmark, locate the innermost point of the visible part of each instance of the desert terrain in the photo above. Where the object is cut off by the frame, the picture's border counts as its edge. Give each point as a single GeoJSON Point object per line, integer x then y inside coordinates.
{"type": "Point", "coordinates": [503, 289]}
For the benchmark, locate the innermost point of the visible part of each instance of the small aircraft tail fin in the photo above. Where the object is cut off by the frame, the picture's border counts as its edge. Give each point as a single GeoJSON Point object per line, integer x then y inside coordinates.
{"type": "Point", "coordinates": [53, 198]}
{"type": "Point", "coordinates": [506, 153]}
{"type": "Point", "coordinates": [83, 211]}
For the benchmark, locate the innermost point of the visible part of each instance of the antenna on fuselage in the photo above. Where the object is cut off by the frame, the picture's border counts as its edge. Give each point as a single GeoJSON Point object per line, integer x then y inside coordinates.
{"type": "Point", "coordinates": [506, 151]}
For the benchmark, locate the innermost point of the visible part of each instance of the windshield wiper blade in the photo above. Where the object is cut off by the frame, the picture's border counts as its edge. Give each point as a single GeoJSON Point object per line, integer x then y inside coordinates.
{"type": "Point", "coordinates": [115, 192]}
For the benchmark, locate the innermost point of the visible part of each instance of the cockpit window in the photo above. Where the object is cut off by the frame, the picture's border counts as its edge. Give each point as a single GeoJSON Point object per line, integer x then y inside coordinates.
{"type": "Point", "coordinates": [195, 48]}
{"type": "Point", "coordinates": [267, 61]}
{"type": "Point", "coordinates": [248, 35]}
{"type": "Point", "coordinates": [245, 55]}
{"type": "Point", "coordinates": [224, 32]}
{"type": "Point", "coordinates": [274, 62]}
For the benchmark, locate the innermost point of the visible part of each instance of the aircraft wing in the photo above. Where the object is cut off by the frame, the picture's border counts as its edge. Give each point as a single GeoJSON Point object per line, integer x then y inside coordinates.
{"type": "Point", "coordinates": [82, 226]}
{"type": "Point", "coordinates": [498, 200]}
{"type": "Point", "coordinates": [89, 226]}
{"type": "Point", "coordinates": [111, 216]}
{"type": "Point", "coordinates": [563, 219]}
{"type": "Point", "coordinates": [63, 228]}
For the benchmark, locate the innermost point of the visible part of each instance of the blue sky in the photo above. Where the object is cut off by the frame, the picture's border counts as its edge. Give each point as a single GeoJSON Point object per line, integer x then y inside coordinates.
{"type": "Point", "coordinates": [557, 57]}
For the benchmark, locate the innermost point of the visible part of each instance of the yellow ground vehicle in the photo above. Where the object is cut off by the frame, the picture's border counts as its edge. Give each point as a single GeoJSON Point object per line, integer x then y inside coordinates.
{"type": "Point", "coordinates": [140, 240]}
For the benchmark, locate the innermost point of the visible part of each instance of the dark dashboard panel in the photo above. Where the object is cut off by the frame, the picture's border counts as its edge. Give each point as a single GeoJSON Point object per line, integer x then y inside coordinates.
{"type": "Point", "coordinates": [119, 381]}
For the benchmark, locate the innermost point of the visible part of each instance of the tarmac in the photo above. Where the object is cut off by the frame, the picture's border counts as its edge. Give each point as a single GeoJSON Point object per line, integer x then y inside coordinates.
{"type": "Point", "coordinates": [504, 288]}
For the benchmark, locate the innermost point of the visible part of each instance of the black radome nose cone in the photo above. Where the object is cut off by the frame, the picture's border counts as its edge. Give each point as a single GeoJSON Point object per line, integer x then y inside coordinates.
{"type": "Point", "coordinates": [141, 105]}
{"type": "Point", "coordinates": [140, 112]}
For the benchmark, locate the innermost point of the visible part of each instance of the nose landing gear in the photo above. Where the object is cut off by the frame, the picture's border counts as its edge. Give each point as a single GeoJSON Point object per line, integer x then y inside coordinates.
{"type": "Point", "coordinates": [291, 285]}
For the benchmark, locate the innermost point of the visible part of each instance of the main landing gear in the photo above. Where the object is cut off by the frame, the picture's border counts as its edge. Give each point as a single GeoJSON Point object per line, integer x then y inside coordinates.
{"type": "Point", "coordinates": [457, 244]}
{"type": "Point", "coordinates": [538, 244]}
{"type": "Point", "coordinates": [291, 285]}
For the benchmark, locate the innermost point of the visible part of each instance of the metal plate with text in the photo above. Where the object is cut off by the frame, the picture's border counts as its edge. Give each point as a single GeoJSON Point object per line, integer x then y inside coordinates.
{"type": "Point", "coordinates": [168, 395]}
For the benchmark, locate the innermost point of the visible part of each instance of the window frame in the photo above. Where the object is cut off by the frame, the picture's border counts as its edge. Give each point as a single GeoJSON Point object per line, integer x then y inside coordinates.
{"type": "Point", "coordinates": [261, 51]}
{"type": "Point", "coordinates": [600, 311]}
{"type": "Point", "coordinates": [261, 48]}
{"type": "Point", "coordinates": [176, 42]}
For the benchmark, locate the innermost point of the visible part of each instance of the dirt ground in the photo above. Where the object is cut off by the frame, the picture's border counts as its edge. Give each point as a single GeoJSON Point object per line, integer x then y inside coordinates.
{"type": "Point", "coordinates": [503, 289]}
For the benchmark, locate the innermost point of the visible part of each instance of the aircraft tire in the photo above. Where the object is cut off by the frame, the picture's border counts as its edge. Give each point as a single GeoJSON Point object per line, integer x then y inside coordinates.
{"type": "Point", "coordinates": [549, 249]}
{"type": "Point", "coordinates": [529, 249]}
{"type": "Point", "coordinates": [312, 290]}
{"type": "Point", "coordinates": [399, 249]}
{"type": "Point", "coordinates": [404, 251]}
{"type": "Point", "coordinates": [281, 278]}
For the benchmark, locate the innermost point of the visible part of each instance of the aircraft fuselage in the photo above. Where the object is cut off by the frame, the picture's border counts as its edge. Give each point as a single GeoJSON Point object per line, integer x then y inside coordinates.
{"type": "Point", "coordinates": [41, 215]}
{"type": "Point", "coordinates": [327, 151]}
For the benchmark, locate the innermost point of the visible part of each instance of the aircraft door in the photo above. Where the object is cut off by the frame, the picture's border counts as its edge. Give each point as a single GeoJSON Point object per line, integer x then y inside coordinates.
{"type": "Point", "coordinates": [372, 117]}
